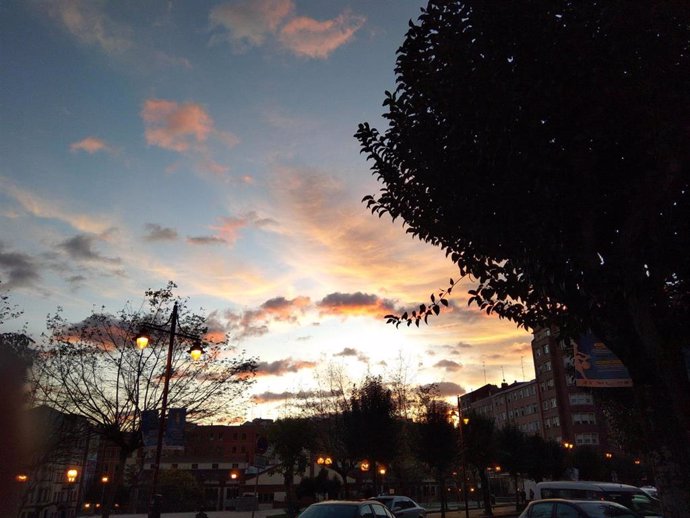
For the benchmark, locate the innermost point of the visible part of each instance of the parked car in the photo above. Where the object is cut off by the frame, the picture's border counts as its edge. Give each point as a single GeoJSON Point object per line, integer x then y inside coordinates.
{"type": "Point", "coordinates": [346, 509]}
{"type": "Point", "coordinates": [630, 496]}
{"type": "Point", "coordinates": [401, 506]}
{"type": "Point", "coordinates": [560, 508]}
{"type": "Point", "coordinates": [651, 491]}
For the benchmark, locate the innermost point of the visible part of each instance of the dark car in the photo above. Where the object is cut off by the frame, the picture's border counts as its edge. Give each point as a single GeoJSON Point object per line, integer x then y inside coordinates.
{"type": "Point", "coordinates": [559, 508]}
{"type": "Point", "coordinates": [346, 509]}
{"type": "Point", "coordinates": [401, 506]}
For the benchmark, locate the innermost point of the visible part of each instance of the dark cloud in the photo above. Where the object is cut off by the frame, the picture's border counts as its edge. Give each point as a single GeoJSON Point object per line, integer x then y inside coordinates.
{"type": "Point", "coordinates": [448, 388]}
{"type": "Point", "coordinates": [355, 304]}
{"type": "Point", "coordinates": [255, 322]}
{"type": "Point", "coordinates": [349, 351]}
{"type": "Point", "coordinates": [280, 367]}
{"type": "Point", "coordinates": [205, 240]}
{"type": "Point", "coordinates": [448, 365]}
{"type": "Point", "coordinates": [81, 248]}
{"type": "Point", "coordinates": [155, 232]}
{"type": "Point", "coordinates": [269, 397]}
{"type": "Point", "coordinates": [20, 269]}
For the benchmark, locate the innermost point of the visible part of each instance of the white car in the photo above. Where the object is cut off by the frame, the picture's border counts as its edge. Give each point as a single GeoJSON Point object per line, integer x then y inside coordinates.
{"type": "Point", "coordinates": [401, 506]}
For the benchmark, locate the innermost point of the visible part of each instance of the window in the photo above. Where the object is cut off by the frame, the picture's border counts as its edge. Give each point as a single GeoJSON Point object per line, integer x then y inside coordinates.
{"type": "Point", "coordinates": [546, 349]}
{"type": "Point", "coordinates": [195, 466]}
{"type": "Point", "coordinates": [541, 510]}
{"type": "Point", "coordinates": [581, 398]}
{"type": "Point", "coordinates": [584, 418]}
{"type": "Point", "coordinates": [587, 438]}
{"type": "Point", "coordinates": [174, 466]}
{"type": "Point", "coordinates": [214, 466]}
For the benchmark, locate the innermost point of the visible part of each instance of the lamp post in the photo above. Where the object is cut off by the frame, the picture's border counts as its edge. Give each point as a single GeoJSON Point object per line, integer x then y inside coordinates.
{"type": "Point", "coordinates": [104, 480]}
{"type": "Point", "coordinates": [463, 421]}
{"type": "Point", "coordinates": [195, 351]}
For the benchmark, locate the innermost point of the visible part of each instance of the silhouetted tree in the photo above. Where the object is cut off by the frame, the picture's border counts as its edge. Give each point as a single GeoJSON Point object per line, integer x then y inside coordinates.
{"type": "Point", "coordinates": [94, 369]}
{"type": "Point", "coordinates": [543, 146]}
{"type": "Point", "coordinates": [543, 459]}
{"type": "Point", "coordinates": [437, 445]}
{"type": "Point", "coordinates": [293, 441]}
{"type": "Point", "coordinates": [511, 445]}
{"type": "Point", "coordinates": [371, 429]}
{"type": "Point", "coordinates": [479, 437]}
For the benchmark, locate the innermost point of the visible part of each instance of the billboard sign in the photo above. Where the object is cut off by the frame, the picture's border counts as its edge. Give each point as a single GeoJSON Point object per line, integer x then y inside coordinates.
{"type": "Point", "coordinates": [174, 428]}
{"type": "Point", "coordinates": [597, 366]}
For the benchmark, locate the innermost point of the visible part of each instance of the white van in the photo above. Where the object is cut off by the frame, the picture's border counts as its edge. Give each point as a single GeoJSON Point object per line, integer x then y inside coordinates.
{"type": "Point", "coordinates": [630, 496]}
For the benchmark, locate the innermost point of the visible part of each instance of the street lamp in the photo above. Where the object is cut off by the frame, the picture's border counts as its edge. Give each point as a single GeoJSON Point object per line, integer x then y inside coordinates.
{"type": "Point", "coordinates": [324, 460]}
{"type": "Point", "coordinates": [463, 421]}
{"type": "Point", "coordinates": [142, 340]}
{"type": "Point", "coordinates": [72, 475]}
{"type": "Point", "coordinates": [104, 480]}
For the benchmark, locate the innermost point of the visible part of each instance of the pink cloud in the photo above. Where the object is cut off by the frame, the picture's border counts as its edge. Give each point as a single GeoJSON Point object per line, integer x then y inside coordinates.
{"type": "Point", "coordinates": [175, 126]}
{"type": "Point", "coordinates": [90, 145]}
{"type": "Point", "coordinates": [230, 226]}
{"type": "Point", "coordinates": [248, 23]}
{"type": "Point", "coordinates": [318, 39]}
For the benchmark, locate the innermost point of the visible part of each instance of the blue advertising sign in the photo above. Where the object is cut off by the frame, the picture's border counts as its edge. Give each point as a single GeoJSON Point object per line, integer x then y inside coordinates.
{"type": "Point", "coordinates": [149, 427]}
{"type": "Point", "coordinates": [597, 366]}
{"type": "Point", "coordinates": [174, 428]}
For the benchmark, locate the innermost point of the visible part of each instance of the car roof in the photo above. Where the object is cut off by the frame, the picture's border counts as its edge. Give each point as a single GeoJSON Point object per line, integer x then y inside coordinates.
{"type": "Point", "coordinates": [576, 502]}
{"type": "Point", "coordinates": [586, 484]}
{"type": "Point", "coordinates": [340, 502]}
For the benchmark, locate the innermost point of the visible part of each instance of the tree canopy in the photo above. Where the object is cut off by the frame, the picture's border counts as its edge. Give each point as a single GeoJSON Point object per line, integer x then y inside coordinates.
{"type": "Point", "coordinates": [94, 369]}
{"type": "Point", "coordinates": [543, 145]}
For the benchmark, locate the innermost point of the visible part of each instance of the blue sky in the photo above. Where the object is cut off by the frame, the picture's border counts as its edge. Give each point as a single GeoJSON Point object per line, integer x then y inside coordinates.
{"type": "Point", "coordinates": [210, 143]}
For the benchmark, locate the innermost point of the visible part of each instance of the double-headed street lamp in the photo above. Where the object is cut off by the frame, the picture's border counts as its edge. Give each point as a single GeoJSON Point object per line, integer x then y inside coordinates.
{"type": "Point", "coordinates": [195, 351]}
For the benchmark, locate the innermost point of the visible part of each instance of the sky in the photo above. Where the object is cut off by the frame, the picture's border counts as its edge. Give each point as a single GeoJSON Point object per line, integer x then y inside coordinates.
{"type": "Point", "coordinates": [211, 143]}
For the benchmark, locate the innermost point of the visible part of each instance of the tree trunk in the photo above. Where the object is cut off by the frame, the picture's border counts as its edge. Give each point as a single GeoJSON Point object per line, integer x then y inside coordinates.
{"type": "Point", "coordinates": [486, 492]}
{"type": "Point", "coordinates": [442, 490]}
{"type": "Point", "coordinates": [662, 391]}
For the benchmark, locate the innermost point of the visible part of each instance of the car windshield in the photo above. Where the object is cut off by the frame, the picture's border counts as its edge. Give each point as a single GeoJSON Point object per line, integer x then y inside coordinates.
{"type": "Point", "coordinates": [330, 511]}
{"type": "Point", "coordinates": [640, 502]}
{"type": "Point", "coordinates": [604, 510]}
{"type": "Point", "coordinates": [387, 501]}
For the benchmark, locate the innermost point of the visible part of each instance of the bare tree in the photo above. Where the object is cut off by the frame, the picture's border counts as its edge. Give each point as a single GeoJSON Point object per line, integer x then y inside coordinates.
{"type": "Point", "coordinates": [93, 369]}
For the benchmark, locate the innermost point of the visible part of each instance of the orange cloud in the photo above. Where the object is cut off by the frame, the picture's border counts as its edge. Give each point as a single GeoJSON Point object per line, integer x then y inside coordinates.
{"type": "Point", "coordinates": [89, 144]}
{"type": "Point", "coordinates": [175, 126]}
{"type": "Point", "coordinates": [280, 367]}
{"type": "Point", "coordinates": [318, 39]}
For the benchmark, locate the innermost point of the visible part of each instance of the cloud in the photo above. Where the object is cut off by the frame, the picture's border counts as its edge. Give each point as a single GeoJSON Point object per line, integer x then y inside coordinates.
{"type": "Point", "coordinates": [20, 269]}
{"type": "Point", "coordinates": [174, 126]}
{"type": "Point", "coordinates": [205, 240]}
{"type": "Point", "coordinates": [81, 248]}
{"type": "Point", "coordinates": [270, 397]}
{"type": "Point", "coordinates": [448, 365]}
{"type": "Point", "coordinates": [318, 39]}
{"type": "Point", "coordinates": [166, 60]}
{"type": "Point", "coordinates": [88, 23]}
{"type": "Point", "coordinates": [230, 227]}
{"type": "Point", "coordinates": [46, 208]}
{"type": "Point", "coordinates": [280, 367]}
{"type": "Point", "coordinates": [155, 232]}
{"type": "Point", "coordinates": [248, 23]}
{"type": "Point", "coordinates": [251, 323]}
{"type": "Point", "coordinates": [349, 351]}
{"type": "Point", "coordinates": [448, 388]}
{"type": "Point", "coordinates": [355, 304]}
{"type": "Point", "coordinates": [90, 145]}
{"type": "Point", "coordinates": [251, 23]}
